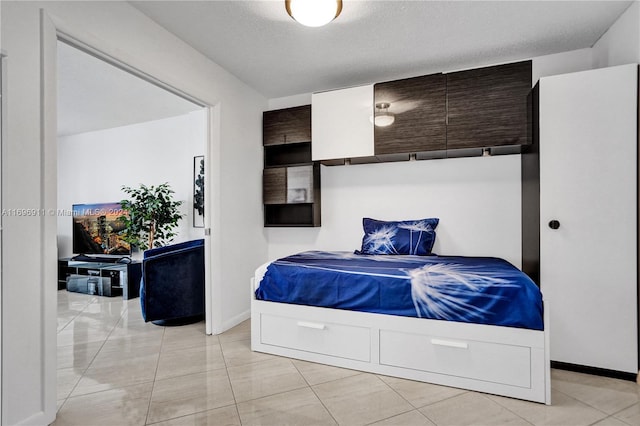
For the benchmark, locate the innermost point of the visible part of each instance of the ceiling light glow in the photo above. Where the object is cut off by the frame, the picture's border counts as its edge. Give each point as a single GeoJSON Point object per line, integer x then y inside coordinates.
{"type": "Point", "coordinates": [313, 13]}
{"type": "Point", "coordinates": [383, 117]}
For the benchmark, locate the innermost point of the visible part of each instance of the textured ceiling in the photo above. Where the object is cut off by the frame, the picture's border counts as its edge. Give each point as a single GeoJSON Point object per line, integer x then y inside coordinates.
{"type": "Point", "coordinates": [376, 40]}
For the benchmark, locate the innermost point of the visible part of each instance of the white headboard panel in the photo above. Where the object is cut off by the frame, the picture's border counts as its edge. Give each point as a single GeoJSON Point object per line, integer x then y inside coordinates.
{"type": "Point", "coordinates": [477, 200]}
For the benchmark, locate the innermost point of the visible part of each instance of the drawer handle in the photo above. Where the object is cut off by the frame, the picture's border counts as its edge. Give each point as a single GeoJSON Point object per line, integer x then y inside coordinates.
{"type": "Point", "coordinates": [313, 325]}
{"type": "Point", "coordinates": [449, 343]}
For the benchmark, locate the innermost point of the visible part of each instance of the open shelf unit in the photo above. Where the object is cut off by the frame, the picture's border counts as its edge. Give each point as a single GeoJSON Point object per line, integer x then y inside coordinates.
{"type": "Point", "coordinates": [291, 181]}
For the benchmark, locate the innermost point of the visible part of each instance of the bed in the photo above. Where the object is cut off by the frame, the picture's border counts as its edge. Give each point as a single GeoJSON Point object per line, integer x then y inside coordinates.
{"type": "Point", "coordinates": [467, 322]}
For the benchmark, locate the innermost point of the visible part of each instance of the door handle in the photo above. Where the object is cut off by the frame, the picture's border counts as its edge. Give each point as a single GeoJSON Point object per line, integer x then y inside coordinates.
{"type": "Point", "coordinates": [450, 343]}
{"type": "Point", "coordinates": [314, 325]}
{"type": "Point", "coordinates": [554, 224]}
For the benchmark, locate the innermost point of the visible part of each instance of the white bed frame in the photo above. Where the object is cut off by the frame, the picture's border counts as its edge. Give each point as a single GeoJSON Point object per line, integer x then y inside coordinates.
{"type": "Point", "coordinates": [505, 361]}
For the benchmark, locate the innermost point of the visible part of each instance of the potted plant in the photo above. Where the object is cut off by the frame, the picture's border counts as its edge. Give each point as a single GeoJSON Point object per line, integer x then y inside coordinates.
{"type": "Point", "coordinates": [153, 215]}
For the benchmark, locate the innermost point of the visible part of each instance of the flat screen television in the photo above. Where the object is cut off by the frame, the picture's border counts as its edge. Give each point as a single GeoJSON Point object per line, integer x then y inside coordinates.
{"type": "Point", "coordinates": [97, 230]}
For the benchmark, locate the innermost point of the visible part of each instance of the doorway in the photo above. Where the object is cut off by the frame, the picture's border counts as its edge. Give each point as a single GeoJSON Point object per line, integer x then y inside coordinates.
{"type": "Point", "coordinates": [117, 127]}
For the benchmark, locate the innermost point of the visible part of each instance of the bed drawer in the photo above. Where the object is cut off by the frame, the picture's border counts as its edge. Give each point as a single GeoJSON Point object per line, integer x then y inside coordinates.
{"type": "Point", "coordinates": [345, 341]}
{"type": "Point", "coordinates": [489, 362]}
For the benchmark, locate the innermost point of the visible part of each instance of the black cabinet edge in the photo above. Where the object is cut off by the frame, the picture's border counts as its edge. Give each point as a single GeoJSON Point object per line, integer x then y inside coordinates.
{"type": "Point", "coordinates": [596, 371]}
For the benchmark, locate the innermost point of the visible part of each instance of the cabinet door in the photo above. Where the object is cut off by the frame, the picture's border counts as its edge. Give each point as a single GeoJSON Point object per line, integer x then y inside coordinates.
{"type": "Point", "coordinates": [342, 126]}
{"type": "Point", "coordinates": [418, 105]}
{"type": "Point", "coordinates": [588, 183]}
{"type": "Point", "coordinates": [488, 106]}
{"type": "Point", "coordinates": [274, 186]}
{"type": "Point", "coordinates": [290, 125]}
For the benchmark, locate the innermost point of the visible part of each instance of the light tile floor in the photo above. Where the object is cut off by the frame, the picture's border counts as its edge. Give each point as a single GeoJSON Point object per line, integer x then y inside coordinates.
{"type": "Point", "coordinates": [114, 369]}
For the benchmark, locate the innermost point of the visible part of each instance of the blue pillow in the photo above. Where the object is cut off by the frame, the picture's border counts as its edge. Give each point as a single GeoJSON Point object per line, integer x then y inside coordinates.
{"type": "Point", "coordinates": [401, 237]}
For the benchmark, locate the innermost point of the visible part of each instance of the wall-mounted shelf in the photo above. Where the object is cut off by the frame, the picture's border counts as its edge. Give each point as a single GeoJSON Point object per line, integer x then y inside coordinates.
{"type": "Point", "coordinates": [287, 154]}
{"type": "Point", "coordinates": [291, 181]}
{"type": "Point", "coordinates": [284, 215]}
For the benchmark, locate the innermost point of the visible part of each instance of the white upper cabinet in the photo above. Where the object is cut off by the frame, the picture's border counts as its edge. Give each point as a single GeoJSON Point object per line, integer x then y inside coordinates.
{"type": "Point", "coordinates": [341, 125]}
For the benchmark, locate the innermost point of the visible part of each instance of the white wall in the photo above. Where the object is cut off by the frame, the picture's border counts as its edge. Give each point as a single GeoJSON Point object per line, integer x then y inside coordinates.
{"type": "Point", "coordinates": [562, 63]}
{"type": "Point", "coordinates": [123, 32]}
{"type": "Point", "coordinates": [476, 199]}
{"type": "Point", "coordinates": [93, 167]}
{"type": "Point", "coordinates": [620, 45]}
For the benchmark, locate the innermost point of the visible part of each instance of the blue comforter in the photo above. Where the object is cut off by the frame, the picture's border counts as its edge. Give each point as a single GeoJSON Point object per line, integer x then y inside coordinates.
{"type": "Point", "coordinates": [480, 290]}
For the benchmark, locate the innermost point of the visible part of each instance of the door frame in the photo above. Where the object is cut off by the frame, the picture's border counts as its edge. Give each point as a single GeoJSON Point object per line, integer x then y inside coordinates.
{"type": "Point", "coordinates": [52, 29]}
{"type": "Point", "coordinates": [3, 138]}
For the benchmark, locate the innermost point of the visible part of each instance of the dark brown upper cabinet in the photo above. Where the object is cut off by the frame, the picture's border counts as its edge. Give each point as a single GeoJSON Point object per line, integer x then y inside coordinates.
{"type": "Point", "coordinates": [489, 107]}
{"type": "Point", "coordinates": [419, 107]}
{"type": "Point", "coordinates": [290, 125]}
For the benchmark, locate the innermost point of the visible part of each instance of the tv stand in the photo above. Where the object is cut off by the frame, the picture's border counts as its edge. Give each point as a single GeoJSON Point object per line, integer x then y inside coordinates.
{"type": "Point", "coordinates": [112, 278]}
{"type": "Point", "coordinates": [100, 259]}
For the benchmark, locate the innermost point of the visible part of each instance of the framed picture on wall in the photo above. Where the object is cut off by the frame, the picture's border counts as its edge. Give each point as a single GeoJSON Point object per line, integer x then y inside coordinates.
{"type": "Point", "coordinates": [198, 191]}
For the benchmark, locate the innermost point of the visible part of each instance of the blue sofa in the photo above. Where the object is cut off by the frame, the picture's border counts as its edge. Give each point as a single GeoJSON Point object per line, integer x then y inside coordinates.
{"type": "Point", "coordinates": [172, 284]}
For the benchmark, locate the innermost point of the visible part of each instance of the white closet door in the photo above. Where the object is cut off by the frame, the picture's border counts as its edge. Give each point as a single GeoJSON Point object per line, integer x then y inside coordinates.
{"type": "Point", "coordinates": [588, 183]}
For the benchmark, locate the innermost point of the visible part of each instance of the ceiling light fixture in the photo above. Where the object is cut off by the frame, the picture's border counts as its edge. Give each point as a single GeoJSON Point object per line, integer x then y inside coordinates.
{"type": "Point", "coordinates": [383, 117]}
{"type": "Point", "coordinates": [313, 13]}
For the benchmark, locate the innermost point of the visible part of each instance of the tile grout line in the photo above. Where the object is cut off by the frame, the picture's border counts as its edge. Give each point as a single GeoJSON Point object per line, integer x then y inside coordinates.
{"type": "Point", "coordinates": [403, 398]}
{"type": "Point", "coordinates": [505, 408]}
{"type": "Point", "coordinates": [184, 416]}
{"type": "Point", "coordinates": [184, 375]}
{"type": "Point", "coordinates": [271, 395]}
{"type": "Point", "coordinates": [610, 416]}
{"type": "Point", "coordinates": [155, 374]}
{"type": "Point", "coordinates": [315, 393]}
{"type": "Point", "coordinates": [84, 371]}
{"type": "Point", "coordinates": [585, 403]}
{"type": "Point", "coordinates": [73, 347]}
{"type": "Point", "coordinates": [620, 411]}
{"type": "Point", "coordinates": [226, 369]}
{"type": "Point", "coordinates": [75, 316]}
{"type": "Point", "coordinates": [595, 408]}
{"type": "Point", "coordinates": [444, 399]}
{"type": "Point", "coordinates": [606, 415]}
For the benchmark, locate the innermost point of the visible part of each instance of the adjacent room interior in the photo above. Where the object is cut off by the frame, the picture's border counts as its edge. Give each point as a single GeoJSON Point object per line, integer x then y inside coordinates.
{"type": "Point", "coordinates": [116, 130]}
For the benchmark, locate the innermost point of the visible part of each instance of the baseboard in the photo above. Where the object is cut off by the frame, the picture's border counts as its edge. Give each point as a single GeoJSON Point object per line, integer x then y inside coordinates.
{"type": "Point", "coordinates": [594, 371]}
{"type": "Point", "coordinates": [39, 418]}
{"type": "Point", "coordinates": [232, 322]}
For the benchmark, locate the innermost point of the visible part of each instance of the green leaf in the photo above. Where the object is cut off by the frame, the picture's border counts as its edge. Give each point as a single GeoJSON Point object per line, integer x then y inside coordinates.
{"type": "Point", "coordinates": [150, 205]}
